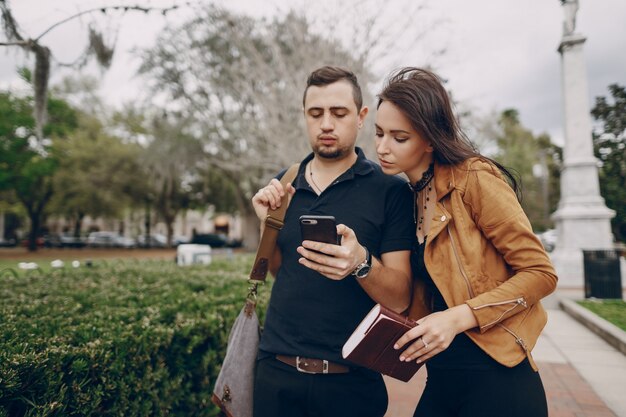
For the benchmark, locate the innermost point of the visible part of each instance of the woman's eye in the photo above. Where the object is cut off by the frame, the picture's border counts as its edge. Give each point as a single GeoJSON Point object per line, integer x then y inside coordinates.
{"type": "Point", "coordinates": [379, 134]}
{"type": "Point", "coordinates": [401, 140]}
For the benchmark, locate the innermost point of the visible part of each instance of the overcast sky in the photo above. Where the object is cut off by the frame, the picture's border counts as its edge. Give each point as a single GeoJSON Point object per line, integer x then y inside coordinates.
{"type": "Point", "coordinates": [499, 53]}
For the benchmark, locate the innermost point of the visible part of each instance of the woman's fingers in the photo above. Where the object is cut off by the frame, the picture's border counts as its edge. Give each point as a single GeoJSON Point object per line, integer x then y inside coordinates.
{"type": "Point", "coordinates": [412, 334]}
{"type": "Point", "coordinates": [432, 336]}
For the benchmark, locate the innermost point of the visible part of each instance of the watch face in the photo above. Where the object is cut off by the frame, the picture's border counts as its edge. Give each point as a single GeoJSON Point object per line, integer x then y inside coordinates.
{"type": "Point", "coordinates": [363, 271]}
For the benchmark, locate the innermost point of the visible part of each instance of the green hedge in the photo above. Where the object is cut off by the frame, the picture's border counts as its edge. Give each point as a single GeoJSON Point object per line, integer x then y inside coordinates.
{"type": "Point", "coordinates": [117, 339]}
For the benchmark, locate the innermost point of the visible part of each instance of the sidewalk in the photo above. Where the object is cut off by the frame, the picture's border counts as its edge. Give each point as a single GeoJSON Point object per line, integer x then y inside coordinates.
{"type": "Point", "coordinates": [582, 374]}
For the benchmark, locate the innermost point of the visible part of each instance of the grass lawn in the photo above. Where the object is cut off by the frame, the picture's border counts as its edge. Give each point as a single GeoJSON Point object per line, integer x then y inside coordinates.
{"type": "Point", "coordinates": [613, 311]}
{"type": "Point", "coordinates": [11, 257]}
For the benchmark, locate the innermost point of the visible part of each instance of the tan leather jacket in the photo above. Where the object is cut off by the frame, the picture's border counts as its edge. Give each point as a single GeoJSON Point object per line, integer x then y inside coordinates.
{"type": "Point", "coordinates": [481, 251]}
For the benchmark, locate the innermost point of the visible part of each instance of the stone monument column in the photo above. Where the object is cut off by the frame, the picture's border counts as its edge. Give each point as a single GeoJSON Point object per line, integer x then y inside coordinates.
{"type": "Point", "coordinates": [582, 219]}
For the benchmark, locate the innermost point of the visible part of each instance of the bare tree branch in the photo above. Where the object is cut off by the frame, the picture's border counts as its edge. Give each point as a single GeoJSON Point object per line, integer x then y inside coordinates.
{"type": "Point", "coordinates": [124, 8]}
{"type": "Point", "coordinates": [43, 55]}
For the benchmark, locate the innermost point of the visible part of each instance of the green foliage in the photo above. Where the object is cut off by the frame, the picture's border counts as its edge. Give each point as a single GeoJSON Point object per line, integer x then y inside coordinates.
{"type": "Point", "coordinates": [26, 163]}
{"type": "Point", "coordinates": [117, 339]}
{"type": "Point", "coordinates": [613, 311]}
{"type": "Point", "coordinates": [609, 140]}
{"type": "Point", "coordinates": [528, 155]}
{"type": "Point", "coordinates": [98, 174]}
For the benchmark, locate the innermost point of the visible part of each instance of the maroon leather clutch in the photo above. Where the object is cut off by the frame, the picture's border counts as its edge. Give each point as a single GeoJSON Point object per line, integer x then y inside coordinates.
{"type": "Point", "coordinates": [371, 344]}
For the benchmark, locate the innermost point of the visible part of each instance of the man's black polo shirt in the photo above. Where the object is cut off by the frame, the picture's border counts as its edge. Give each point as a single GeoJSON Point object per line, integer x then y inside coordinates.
{"type": "Point", "coordinates": [310, 315]}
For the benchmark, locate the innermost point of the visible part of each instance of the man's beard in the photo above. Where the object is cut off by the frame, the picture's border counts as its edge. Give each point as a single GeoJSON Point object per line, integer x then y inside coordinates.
{"type": "Point", "coordinates": [332, 153]}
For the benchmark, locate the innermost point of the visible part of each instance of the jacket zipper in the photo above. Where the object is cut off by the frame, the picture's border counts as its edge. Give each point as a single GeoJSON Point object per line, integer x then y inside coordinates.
{"type": "Point", "coordinates": [517, 302]}
{"type": "Point", "coordinates": [522, 344]}
{"type": "Point", "coordinates": [518, 339]}
{"type": "Point", "coordinates": [458, 261]}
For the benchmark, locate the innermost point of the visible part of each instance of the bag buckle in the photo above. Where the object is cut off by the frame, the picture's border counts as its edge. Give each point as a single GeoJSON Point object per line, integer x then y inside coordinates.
{"type": "Point", "coordinates": [252, 290]}
{"type": "Point", "coordinates": [274, 223]}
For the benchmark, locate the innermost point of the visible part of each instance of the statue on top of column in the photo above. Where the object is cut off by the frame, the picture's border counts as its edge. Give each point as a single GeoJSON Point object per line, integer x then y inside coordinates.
{"type": "Point", "coordinates": [570, 7]}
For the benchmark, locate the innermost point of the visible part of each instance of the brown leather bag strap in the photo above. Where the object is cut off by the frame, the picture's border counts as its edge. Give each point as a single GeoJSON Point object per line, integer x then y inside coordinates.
{"type": "Point", "coordinates": [273, 223]}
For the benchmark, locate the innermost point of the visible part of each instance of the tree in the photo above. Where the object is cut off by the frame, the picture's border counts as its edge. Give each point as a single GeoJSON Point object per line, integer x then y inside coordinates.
{"type": "Point", "coordinates": [238, 83]}
{"type": "Point", "coordinates": [27, 165]}
{"type": "Point", "coordinates": [170, 159]}
{"type": "Point", "coordinates": [98, 174]}
{"type": "Point", "coordinates": [609, 138]}
{"type": "Point", "coordinates": [43, 55]}
{"type": "Point", "coordinates": [535, 160]}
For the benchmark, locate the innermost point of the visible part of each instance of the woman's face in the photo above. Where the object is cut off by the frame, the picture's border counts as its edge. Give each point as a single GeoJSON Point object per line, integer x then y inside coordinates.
{"type": "Point", "coordinates": [399, 147]}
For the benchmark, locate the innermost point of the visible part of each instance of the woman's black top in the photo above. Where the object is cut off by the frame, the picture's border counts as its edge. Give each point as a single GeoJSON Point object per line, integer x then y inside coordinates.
{"type": "Point", "coordinates": [462, 352]}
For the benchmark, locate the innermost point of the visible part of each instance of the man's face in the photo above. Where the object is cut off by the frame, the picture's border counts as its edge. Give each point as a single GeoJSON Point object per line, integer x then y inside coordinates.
{"type": "Point", "coordinates": [332, 119]}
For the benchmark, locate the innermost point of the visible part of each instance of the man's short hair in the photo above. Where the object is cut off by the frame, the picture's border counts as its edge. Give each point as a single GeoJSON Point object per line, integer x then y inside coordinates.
{"type": "Point", "coordinates": [327, 75]}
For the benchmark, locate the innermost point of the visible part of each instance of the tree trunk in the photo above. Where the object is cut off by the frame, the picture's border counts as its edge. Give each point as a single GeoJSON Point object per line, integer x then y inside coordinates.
{"type": "Point", "coordinates": [147, 225]}
{"type": "Point", "coordinates": [170, 231]}
{"type": "Point", "coordinates": [78, 223]}
{"type": "Point", "coordinates": [35, 222]}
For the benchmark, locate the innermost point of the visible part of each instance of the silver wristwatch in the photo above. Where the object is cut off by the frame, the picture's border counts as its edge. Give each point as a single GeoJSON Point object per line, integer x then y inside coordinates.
{"type": "Point", "coordinates": [364, 268]}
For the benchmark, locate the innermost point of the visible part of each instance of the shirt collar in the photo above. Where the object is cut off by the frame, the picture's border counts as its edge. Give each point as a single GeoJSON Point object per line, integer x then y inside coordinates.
{"type": "Point", "coordinates": [362, 166]}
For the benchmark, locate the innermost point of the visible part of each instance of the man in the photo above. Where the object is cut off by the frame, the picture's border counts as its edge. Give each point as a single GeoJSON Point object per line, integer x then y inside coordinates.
{"type": "Point", "coordinates": [321, 291]}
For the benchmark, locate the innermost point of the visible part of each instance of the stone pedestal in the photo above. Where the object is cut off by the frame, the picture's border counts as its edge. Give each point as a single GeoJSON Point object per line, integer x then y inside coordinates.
{"type": "Point", "coordinates": [582, 219]}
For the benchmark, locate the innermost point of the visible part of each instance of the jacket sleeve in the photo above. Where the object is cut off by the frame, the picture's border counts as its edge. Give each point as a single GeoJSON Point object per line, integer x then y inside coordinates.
{"type": "Point", "coordinates": [498, 214]}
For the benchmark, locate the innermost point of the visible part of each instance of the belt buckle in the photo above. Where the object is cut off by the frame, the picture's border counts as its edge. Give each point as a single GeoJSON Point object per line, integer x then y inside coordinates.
{"type": "Point", "coordinates": [324, 366]}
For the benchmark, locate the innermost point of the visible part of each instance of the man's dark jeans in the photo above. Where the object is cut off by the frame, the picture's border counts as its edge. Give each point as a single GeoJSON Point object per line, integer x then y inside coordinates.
{"type": "Point", "coordinates": [282, 391]}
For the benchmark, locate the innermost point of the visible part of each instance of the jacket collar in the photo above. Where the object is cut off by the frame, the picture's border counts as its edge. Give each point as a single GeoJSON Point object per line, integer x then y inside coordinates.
{"type": "Point", "coordinates": [444, 180]}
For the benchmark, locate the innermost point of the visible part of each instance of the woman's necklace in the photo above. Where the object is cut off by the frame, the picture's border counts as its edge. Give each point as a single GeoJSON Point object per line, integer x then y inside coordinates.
{"type": "Point", "coordinates": [313, 183]}
{"type": "Point", "coordinates": [427, 176]}
{"type": "Point", "coordinates": [418, 187]}
{"type": "Point", "coordinates": [425, 198]}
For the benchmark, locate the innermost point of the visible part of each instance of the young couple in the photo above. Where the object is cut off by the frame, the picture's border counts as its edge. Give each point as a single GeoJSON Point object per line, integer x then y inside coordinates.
{"type": "Point", "coordinates": [453, 248]}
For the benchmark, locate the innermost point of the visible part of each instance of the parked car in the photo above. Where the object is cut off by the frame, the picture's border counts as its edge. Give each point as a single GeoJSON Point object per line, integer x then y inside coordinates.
{"type": "Point", "coordinates": [179, 240]}
{"type": "Point", "coordinates": [548, 239]}
{"type": "Point", "coordinates": [69, 241]}
{"type": "Point", "coordinates": [110, 240]}
{"type": "Point", "coordinates": [8, 243]}
{"type": "Point", "coordinates": [54, 240]}
{"type": "Point", "coordinates": [216, 240]}
{"type": "Point", "coordinates": [39, 241]}
{"type": "Point", "coordinates": [155, 240]}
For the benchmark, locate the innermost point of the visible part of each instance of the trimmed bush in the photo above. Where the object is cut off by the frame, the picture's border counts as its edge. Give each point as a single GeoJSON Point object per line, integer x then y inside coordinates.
{"type": "Point", "coordinates": [118, 339]}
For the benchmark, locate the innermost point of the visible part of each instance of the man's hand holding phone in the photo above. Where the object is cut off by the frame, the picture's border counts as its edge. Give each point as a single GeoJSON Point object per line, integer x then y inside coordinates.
{"type": "Point", "coordinates": [333, 260]}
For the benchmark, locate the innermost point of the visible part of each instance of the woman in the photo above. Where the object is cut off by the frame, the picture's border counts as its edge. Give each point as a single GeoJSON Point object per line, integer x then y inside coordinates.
{"type": "Point", "coordinates": [479, 271]}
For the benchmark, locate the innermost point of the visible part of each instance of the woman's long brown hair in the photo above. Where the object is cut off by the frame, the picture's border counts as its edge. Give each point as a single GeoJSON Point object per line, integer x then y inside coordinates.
{"type": "Point", "coordinates": [420, 95]}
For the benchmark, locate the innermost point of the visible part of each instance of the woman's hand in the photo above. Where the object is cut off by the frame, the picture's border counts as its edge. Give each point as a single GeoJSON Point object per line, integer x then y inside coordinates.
{"type": "Point", "coordinates": [270, 196]}
{"type": "Point", "coordinates": [333, 261]}
{"type": "Point", "coordinates": [435, 332]}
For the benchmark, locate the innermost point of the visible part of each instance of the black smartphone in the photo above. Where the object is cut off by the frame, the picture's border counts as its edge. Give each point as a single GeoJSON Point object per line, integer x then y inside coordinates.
{"type": "Point", "coordinates": [319, 228]}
